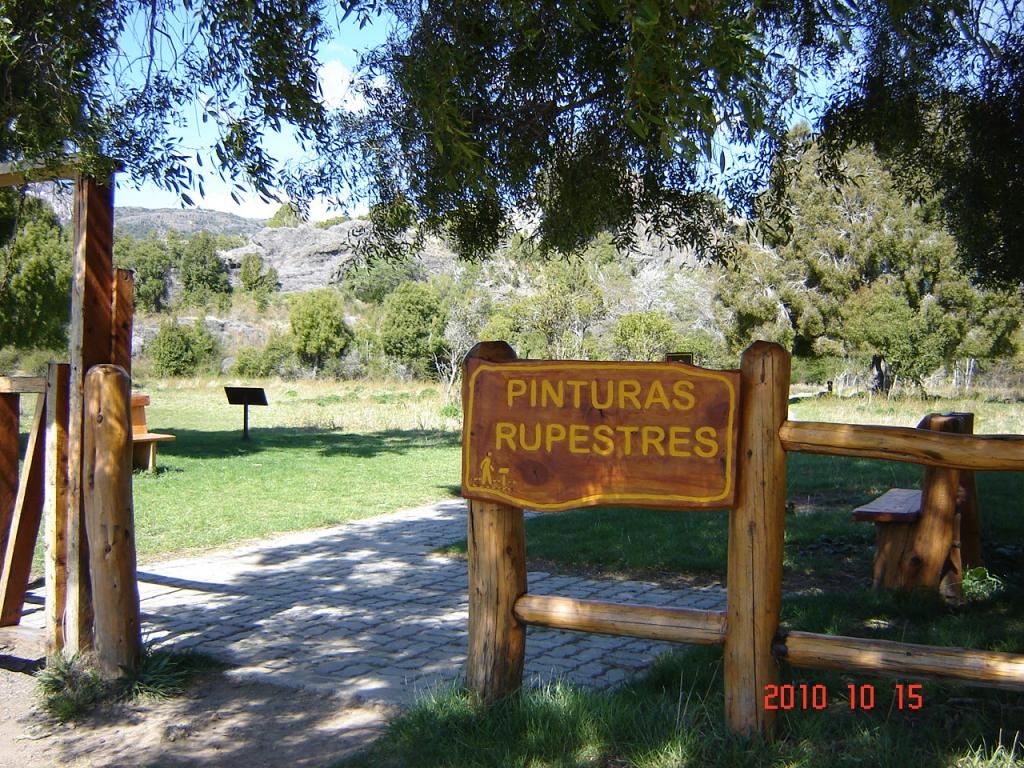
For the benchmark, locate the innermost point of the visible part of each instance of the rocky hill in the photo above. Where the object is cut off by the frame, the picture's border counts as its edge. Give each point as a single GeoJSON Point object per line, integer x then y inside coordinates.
{"type": "Point", "coordinates": [142, 222]}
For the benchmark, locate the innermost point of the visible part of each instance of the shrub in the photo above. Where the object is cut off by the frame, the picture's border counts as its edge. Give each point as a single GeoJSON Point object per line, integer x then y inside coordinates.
{"type": "Point", "coordinates": [412, 326]}
{"type": "Point", "coordinates": [644, 336]}
{"type": "Point", "coordinates": [181, 350]}
{"type": "Point", "coordinates": [272, 359]}
{"type": "Point", "coordinates": [285, 216]}
{"type": "Point", "coordinates": [204, 277]}
{"type": "Point", "coordinates": [318, 326]}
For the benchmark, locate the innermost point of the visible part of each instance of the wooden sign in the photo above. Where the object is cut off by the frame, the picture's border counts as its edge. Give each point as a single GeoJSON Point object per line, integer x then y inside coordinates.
{"type": "Point", "coordinates": [557, 435]}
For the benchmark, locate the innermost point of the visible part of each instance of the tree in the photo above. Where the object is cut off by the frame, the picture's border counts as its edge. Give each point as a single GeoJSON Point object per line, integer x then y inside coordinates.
{"type": "Point", "coordinates": [256, 281]}
{"type": "Point", "coordinates": [204, 276]}
{"type": "Point", "coordinates": [151, 261]}
{"type": "Point", "coordinates": [412, 325]}
{"type": "Point", "coordinates": [181, 350]}
{"type": "Point", "coordinates": [319, 331]}
{"type": "Point", "coordinates": [644, 336]}
{"type": "Point", "coordinates": [593, 114]}
{"type": "Point", "coordinates": [288, 215]}
{"type": "Point", "coordinates": [118, 77]}
{"type": "Point", "coordinates": [35, 274]}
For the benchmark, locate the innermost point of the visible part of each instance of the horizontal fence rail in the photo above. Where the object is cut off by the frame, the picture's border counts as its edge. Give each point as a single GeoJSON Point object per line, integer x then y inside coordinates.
{"type": "Point", "coordinates": [22, 385]}
{"type": "Point", "coordinates": [887, 657]}
{"type": "Point", "coordinates": [906, 444]}
{"type": "Point", "coordinates": [678, 625]}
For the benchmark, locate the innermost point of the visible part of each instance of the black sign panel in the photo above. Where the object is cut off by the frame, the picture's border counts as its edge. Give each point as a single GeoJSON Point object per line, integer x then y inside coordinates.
{"type": "Point", "coordinates": [246, 395]}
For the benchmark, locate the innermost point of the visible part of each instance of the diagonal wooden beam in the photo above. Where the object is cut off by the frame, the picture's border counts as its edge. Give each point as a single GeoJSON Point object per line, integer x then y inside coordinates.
{"type": "Point", "coordinates": [28, 512]}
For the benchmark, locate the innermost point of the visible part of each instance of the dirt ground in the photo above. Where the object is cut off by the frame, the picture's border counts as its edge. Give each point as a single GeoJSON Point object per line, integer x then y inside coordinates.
{"type": "Point", "coordinates": [219, 722]}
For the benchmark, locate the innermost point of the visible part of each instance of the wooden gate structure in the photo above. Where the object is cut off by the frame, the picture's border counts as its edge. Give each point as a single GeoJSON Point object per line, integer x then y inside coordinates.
{"type": "Point", "coordinates": [76, 477]}
{"type": "Point", "coordinates": [548, 435]}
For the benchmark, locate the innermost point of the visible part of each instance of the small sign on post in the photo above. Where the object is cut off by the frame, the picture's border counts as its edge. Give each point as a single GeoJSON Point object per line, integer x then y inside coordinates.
{"type": "Point", "coordinates": [246, 396]}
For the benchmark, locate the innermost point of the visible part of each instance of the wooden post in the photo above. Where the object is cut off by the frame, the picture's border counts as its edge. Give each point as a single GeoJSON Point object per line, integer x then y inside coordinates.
{"type": "Point", "coordinates": [497, 578]}
{"type": "Point", "coordinates": [92, 339]}
{"type": "Point", "coordinates": [28, 510]}
{"type": "Point", "coordinates": [109, 519]}
{"type": "Point", "coordinates": [9, 413]}
{"type": "Point", "coordinates": [756, 530]}
{"type": "Point", "coordinates": [55, 510]}
{"type": "Point", "coordinates": [935, 559]}
{"type": "Point", "coordinates": [967, 505]}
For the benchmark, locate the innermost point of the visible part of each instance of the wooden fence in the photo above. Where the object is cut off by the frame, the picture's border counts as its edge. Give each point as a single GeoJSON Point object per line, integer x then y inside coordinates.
{"type": "Point", "coordinates": [500, 605]}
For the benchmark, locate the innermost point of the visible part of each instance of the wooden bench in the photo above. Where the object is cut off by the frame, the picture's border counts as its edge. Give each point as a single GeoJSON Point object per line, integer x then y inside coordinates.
{"type": "Point", "coordinates": [925, 538]}
{"type": "Point", "coordinates": [144, 442]}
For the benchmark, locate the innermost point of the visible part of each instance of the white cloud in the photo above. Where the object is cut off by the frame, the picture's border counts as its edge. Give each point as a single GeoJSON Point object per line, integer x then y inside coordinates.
{"type": "Point", "coordinates": [338, 85]}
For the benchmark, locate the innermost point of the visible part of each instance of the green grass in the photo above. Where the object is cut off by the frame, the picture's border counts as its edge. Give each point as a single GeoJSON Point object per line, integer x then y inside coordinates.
{"type": "Point", "coordinates": [674, 717]}
{"type": "Point", "coordinates": [319, 455]}
{"type": "Point", "coordinates": [70, 689]}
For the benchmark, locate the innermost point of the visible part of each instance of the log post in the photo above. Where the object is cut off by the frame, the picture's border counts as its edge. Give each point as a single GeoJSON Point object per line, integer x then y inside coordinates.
{"type": "Point", "coordinates": [497, 578]}
{"type": "Point", "coordinates": [55, 509]}
{"type": "Point", "coordinates": [92, 340]}
{"type": "Point", "coordinates": [756, 531]}
{"type": "Point", "coordinates": [9, 450]}
{"type": "Point", "coordinates": [109, 519]}
{"type": "Point", "coordinates": [967, 506]}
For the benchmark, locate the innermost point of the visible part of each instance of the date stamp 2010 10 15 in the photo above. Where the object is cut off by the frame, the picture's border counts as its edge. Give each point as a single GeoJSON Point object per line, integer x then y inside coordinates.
{"type": "Point", "coordinates": [804, 696]}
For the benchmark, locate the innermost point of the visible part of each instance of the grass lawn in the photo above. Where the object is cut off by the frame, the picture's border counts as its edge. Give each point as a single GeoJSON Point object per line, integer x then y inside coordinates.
{"type": "Point", "coordinates": [674, 715]}
{"type": "Point", "coordinates": [320, 454]}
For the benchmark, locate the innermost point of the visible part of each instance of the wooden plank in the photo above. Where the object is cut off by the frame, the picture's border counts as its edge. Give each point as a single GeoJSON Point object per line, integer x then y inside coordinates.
{"type": "Point", "coordinates": [935, 561]}
{"type": "Point", "coordinates": [897, 505]}
{"type": "Point", "coordinates": [497, 578]}
{"type": "Point", "coordinates": [90, 341]}
{"type": "Point", "coordinates": [553, 435]}
{"type": "Point", "coordinates": [18, 174]}
{"type": "Point", "coordinates": [28, 512]}
{"type": "Point", "coordinates": [756, 531]}
{"type": "Point", "coordinates": [886, 657]}
{"type": "Point", "coordinates": [9, 456]}
{"type": "Point", "coordinates": [676, 625]}
{"type": "Point", "coordinates": [916, 446]}
{"type": "Point", "coordinates": [22, 384]}
{"type": "Point", "coordinates": [110, 524]}
{"type": "Point", "coordinates": [55, 509]}
{"type": "Point", "coordinates": [122, 318]}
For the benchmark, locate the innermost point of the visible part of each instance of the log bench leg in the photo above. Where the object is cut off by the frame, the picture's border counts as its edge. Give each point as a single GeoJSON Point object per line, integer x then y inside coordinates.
{"type": "Point", "coordinates": [893, 543]}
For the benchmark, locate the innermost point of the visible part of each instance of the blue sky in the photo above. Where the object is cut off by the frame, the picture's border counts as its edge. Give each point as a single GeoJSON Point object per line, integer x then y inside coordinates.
{"type": "Point", "coordinates": [338, 58]}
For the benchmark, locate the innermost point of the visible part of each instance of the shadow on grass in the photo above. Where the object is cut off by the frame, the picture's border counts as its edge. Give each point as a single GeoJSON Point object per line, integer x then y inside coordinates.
{"type": "Point", "coordinates": [674, 715]}
{"type": "Point", "coordinates": [195, 444]}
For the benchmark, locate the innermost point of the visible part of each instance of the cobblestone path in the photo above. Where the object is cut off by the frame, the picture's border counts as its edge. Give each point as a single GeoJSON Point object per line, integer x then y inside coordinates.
{"type": "Point", "coordinates": [364, 610]}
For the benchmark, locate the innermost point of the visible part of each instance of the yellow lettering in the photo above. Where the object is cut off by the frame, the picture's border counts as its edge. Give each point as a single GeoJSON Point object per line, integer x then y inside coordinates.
{"type": "Point", "coordinates": [603, 434]}
{"type": "Point", "coordinates": [554, 433]}
{"type": "Point", "coordinates": [656, 394]}
{"type": "Point", "coordinates": [549, 393]}
{"type": "Point", "coordinates": [576, 387]}
{"type": "Point", "coordinates": [504, 431]}
{"type": "Point", "coordinates": [678, 441]}
{"type": "Point", "coordinates": [609, 395]}
{"type": "Point", "coordinates": [628, 390]}
{"type": "Point", "coordinates": [578, 434]}
{"type": "Point", "coordinates": [516, 388]}
{"type": "Point", "coordinates": [533, 393]}
{"type": "Point", "coordinates": [536, 438]}
{"type": "Point", "coordinates": [652, 437]}
{"type": "Point", "coordinates": [627, 432]}
{"type": "Point", "coordinates": [684, 399]}
{"type": "Point", "coordinates": [708, 439]}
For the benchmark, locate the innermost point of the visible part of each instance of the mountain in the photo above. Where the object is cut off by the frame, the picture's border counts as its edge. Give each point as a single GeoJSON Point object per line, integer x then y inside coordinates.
{"type": "Point", "coordinates": [142, 222]}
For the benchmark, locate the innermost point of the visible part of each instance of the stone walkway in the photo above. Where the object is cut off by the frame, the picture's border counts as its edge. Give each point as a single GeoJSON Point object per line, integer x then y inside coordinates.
{"type": "Point", "coordinates": [365, 610]}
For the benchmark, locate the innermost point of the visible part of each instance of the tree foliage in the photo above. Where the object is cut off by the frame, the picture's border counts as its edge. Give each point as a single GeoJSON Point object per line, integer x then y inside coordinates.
{"type": "Point", "coordinates": [592, 114]}
{"type": "Point", "coordinates": [204, 276]}
{"type": "Point", "coordinates": [181, 350]}
{"type": "Point", "coordinates": [260, 283]}
{"type": "Point", "coordinates": [319, 331]}
{"type": "Point", "coordinates": [412, 326]}
{"type": "Point", "coordinates": [35, 274]}
{"type": "Point", "coordinates": [151, 261]}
